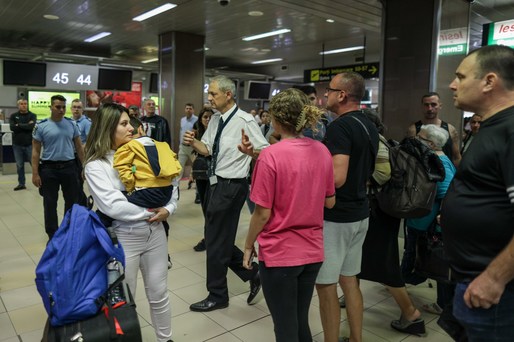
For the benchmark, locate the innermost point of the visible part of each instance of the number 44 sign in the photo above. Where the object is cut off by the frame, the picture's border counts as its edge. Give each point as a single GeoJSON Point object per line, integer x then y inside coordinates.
{"type": "Point", "coordinates": [64, 79]}
{"type": "Point", "coordinates": [71, 76]}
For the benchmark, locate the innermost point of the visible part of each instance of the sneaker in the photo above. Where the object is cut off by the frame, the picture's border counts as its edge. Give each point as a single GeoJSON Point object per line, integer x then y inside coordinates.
{"type": "Point", "coordinates": [170, 264]}
{"type": "Point", "coordinates": [20, 187]}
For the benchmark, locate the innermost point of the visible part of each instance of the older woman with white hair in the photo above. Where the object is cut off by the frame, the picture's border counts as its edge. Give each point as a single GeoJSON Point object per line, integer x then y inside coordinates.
{"type": "Point", "coordinates": [434, 137]}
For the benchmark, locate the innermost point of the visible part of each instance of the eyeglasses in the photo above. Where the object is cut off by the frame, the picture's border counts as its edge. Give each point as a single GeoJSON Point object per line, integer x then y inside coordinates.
{"type": "Point", "coordinates": [328, 90]}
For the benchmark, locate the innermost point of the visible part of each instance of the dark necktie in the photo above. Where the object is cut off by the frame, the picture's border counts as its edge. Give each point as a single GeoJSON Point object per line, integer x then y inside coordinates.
{"type": "Point", "coordinates": [216, 147]}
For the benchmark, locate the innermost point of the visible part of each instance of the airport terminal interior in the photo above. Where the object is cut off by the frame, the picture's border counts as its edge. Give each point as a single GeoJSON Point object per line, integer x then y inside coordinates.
{"type": "Point", "coordinates": [314, 28]}
{"type": "Point", "coordinates": [22, 315]}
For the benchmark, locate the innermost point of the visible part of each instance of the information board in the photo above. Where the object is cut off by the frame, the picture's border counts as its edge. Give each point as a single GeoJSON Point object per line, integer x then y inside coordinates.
{"type": "Point", "coordinates": [367, 70]}
{"type": "Point", "coordinates": [71, 76]}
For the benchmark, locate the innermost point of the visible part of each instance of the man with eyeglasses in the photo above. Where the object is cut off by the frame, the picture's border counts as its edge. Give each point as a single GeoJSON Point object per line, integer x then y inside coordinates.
{"type": "Point", "coordinates": [431, 103]}
{"type": "Point", "coordinates": [352, 139]}
{"type": "Point", "coordinates": [55, 166]}
{"type": "Point", "coordinates": [84, 125]}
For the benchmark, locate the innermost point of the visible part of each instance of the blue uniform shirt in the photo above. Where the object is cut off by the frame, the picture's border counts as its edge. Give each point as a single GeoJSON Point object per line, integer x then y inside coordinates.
{"type": "Point", "coordinates": [56, 138]}
{"type": "Point", "coordinates": [84, 124]}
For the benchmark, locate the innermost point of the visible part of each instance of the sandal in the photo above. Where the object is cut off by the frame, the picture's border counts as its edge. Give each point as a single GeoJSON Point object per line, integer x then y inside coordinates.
{"type": "Point", "coordinates": [432, 308]}
{"type": "Point", "coordinates": [416, 327]}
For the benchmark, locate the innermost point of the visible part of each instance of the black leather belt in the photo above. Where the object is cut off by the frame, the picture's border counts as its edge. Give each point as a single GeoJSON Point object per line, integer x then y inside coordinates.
{"type": "Point", "coordinates": [232, 180]}
{"type": "Point", "coordinates": [57, 164]}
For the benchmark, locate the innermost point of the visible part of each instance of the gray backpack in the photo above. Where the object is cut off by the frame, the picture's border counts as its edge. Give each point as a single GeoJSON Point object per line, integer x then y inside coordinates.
{"type": "Point", "coordinates": [415, 170]}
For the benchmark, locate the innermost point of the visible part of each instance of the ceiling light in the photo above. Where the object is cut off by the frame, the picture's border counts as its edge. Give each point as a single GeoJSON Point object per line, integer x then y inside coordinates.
{"type": "Point", "coordinates": [341, 50]}
{"type": "Point", "coordinates": [150, 60]}
{"type": "Point", "coordinates": [97, 36]}
{"type": "Point", "coordinates": [121, 66]}
{"type": "Point", "coordinates": [268, 61]}
{"type": "Point", "coordinates": [267, 34]}
{"type": "Point", "coordinates": [255, 13]}
{"type": "Point", "coordinates": [50, 17]}
{"type": "Point", "coordinates": [154, 12]}
{"type": "Point", "coordinates": [330, 21]}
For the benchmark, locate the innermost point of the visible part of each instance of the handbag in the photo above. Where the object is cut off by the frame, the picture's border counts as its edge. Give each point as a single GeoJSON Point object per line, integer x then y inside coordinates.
{"type": "Point", "coordinates": [201, 167]}
{"type": "Point", "coordinates": [117, 322]}
{"type": "Point", "coordinates": [431, 260]}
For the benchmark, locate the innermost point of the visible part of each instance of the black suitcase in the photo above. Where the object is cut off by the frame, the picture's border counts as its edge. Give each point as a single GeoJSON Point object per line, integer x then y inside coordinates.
{"type": "Point", "coordinates": [102, 327]}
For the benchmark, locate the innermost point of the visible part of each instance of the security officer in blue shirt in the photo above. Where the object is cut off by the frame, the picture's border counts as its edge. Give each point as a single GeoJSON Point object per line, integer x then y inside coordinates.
{"type": "Point", "coordinates": [55, 166]}
{"type": "Point", "coordinates": [84, 124]}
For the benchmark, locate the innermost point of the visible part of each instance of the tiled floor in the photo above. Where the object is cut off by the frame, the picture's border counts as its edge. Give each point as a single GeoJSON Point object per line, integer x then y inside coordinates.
{"type": "Point", "coordinates": [22, 316]}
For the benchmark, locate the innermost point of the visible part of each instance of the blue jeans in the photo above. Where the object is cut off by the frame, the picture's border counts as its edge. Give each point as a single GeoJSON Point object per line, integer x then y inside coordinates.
{"type": "Point", "coordinates": [494, 324]}
{"type": "Point", "coordinates": [22, 154]}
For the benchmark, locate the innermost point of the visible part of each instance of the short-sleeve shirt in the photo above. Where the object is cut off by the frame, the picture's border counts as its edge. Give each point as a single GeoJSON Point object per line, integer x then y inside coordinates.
{"type": "Point", "coordinates": [187, 125]}
{"type": "Point", "coordinates": [293, 178]}
{"type": "Point", "coordinates": [346, 136]}
{"type": "Point", "coordinates": [231, 163]}
{"type": "Point", "coordinates": [84, 124]}
{"type": "Point", "coordinates": [478, 210]}
{"type": "Point", "coordinates": [56, 138]}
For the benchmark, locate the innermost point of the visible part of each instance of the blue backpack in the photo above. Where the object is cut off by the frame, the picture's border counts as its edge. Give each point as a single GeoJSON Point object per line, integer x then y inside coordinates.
{"type": "Point", "coordinates": [71, 276]}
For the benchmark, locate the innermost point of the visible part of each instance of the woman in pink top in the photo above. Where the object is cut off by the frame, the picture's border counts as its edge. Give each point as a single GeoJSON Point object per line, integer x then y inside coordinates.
{"type": "Point", "coordinates": [292, 181]}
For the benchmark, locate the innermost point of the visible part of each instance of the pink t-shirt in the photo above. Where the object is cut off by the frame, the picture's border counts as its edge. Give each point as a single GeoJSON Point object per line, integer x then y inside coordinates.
{"type": "Point", "coordinates": [293, 178]}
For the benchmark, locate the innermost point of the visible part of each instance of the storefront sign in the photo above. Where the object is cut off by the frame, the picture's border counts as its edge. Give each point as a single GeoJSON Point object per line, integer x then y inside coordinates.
{"type": "Point", "coordinates": [453, 42]}
{"type": "Point", "coordinates": [368, 70]}
{"type": "Point", "coordinates": [501, 33]}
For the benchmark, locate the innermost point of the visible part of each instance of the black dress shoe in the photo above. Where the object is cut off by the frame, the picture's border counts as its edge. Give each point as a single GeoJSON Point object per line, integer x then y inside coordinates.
{"type": "Point", "coordinates": [207, 305]}
{"type": "Point", "coordinates": [255, 287]}
{"type": "Point", "coordinates": [200, 246]}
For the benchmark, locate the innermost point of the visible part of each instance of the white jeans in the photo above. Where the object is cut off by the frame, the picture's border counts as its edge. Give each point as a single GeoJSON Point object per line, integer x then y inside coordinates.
{"type": "Point", "coordinates": [146, 248]}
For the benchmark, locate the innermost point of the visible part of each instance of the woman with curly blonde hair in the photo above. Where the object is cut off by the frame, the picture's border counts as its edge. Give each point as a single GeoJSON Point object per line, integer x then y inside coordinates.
{"type": "Point", "coordinates": [292, 181]}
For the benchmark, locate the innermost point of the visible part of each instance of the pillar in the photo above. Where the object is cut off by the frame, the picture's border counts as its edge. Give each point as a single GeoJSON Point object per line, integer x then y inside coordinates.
{"type": "Point", "coordinates": [181, 70]}
{"type": "Point", "coordinates": [410, 64]}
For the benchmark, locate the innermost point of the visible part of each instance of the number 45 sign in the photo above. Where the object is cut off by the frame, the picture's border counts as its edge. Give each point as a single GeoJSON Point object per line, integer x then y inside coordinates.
{"type": "Point", "coordinates": [71, 76]}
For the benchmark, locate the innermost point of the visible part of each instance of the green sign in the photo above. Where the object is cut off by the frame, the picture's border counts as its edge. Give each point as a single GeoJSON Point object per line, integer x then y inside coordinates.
{"type": "Point", "coordinates": [368, 70]}
{"type": "Point", "coordinates": [39, 102]}
{"type": "Point", "coordinates": [456, 49]}
{"type": "Point", "coordinates": [501, 33]}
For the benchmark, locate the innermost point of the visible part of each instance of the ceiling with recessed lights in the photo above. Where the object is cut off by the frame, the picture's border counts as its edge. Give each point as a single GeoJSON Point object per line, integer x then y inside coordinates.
{"type": "Point", "coordinates": [26, 34]}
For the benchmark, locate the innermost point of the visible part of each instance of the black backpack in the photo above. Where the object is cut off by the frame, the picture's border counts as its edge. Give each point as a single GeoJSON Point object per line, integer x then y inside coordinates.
{"type": "Point", "coordinates": [411, 190]}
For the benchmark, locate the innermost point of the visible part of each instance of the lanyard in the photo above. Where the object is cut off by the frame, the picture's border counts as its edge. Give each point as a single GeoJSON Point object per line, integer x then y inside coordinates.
{"type": "Point", "coordinates": [215, 146]}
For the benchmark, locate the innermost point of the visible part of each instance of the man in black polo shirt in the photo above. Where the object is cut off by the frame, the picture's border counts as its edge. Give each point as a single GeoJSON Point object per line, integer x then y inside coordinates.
{"type": "Point", "coordinates": [478, 211]}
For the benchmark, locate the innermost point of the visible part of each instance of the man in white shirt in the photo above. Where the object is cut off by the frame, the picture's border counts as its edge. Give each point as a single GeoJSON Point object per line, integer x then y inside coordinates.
{"type": "Point", "coordinates": [186, 124]}
{"type": "Point", "coordinates": [227, 193]}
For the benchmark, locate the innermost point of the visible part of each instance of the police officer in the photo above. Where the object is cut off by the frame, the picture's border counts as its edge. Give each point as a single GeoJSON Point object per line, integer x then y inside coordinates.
{"type": "Point", "coordinates": [55, 166]}
{"type": "Point", "coordinates": [84, 125]}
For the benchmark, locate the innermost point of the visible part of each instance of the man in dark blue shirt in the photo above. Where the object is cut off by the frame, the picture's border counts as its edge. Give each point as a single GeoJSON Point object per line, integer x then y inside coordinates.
{"type": "Point", "coordinates": [21, 124]}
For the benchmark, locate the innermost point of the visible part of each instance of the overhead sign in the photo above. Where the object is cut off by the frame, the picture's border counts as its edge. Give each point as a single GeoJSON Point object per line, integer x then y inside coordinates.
{"type": "Point", "coordinates": [39, 102]}
{"type": "Point", "coordinates": [71, 76]}
{"type": "Point", "coordinates": [501, 33]}
{"type": "Point", "coordinates": [453, 42]}
{"type": "Point", "coordinates": [368, 70]}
